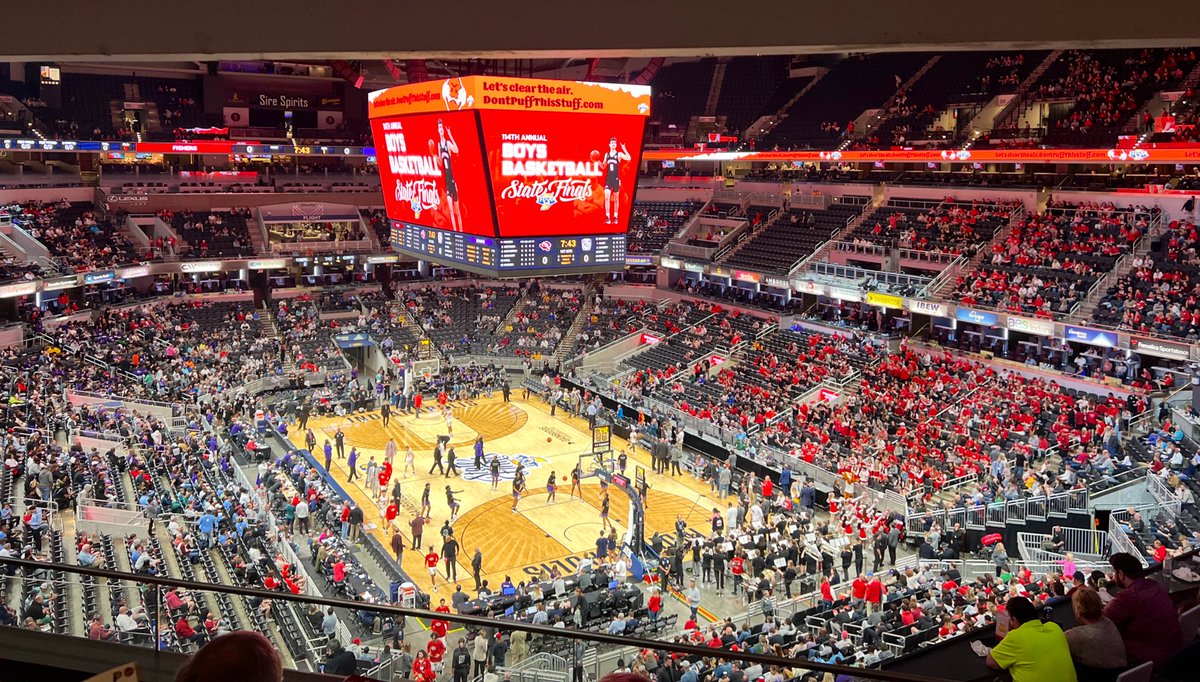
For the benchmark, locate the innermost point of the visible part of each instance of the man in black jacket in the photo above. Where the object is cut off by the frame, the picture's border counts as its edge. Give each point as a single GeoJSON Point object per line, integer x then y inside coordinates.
{"type": "Point", "coordinates": [356, 523]}
{"type": "Point", "coordinates": [338, 661]}
{"type": "Point", "coordinates": [460, 661]}
{"type": "Point", "coordinates": [477, 567]}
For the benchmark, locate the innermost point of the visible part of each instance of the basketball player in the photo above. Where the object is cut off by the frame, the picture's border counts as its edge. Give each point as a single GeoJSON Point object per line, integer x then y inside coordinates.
{"type": "Point", "coordinates": [494, 469]}
{"type": "Point", "coordinates": [575, 488]}
{"type": "Point", "coordinates": [410, 460]}
{"type": "Point", "coordinates": [516, 492]}
{"type": "Point", "coordinates": [425, 506]}
{"type": "Point", "coordinates": [447, 146]}
{"type": "Point", "coordinates": [604, 511]}
{"type": "Point", "coordinates": [385, 476]}
{"type": "Point", "coordinates": [551, 487]}
{"type": "Point", "coordinates": [431, 563]}
{"type": "Point", "coordinates": [390, 517]}
{"type": "Point", "coordinates": [612, 181]}
{"type": "Point", "coordinates": [452, 503]}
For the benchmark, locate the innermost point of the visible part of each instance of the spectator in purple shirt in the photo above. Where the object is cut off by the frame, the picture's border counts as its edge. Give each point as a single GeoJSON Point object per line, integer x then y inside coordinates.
{"type": "Point", "coordinates": [1143, 612]}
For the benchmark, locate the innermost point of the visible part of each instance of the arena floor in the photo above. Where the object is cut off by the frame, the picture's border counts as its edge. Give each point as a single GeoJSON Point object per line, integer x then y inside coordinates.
{"type": "Point", "coordinates": [540, 534]}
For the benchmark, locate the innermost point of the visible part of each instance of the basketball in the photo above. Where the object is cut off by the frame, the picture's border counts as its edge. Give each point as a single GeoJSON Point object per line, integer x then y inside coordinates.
{"type": "Point", "coordinates": [549, 439]}
{"type": "Point", "coordinates": [595, 156]}
{"type": "Point", "coordinates": [432, 148]}
{"type": "Point", "coordinates": [564, 479]}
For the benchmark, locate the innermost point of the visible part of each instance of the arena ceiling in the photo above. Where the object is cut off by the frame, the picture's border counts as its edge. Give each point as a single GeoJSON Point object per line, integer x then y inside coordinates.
{"type": "Point", "coordinates": [320, 29]}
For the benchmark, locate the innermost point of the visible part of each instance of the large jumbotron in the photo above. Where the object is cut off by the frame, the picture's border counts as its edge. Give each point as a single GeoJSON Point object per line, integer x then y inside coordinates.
{"type": "Point", "coordinates": [552, 366]}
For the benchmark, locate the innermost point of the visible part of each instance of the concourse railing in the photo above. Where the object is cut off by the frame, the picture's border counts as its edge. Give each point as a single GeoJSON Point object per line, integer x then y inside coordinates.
{"type": "Point", "coordinates": [285, 615]}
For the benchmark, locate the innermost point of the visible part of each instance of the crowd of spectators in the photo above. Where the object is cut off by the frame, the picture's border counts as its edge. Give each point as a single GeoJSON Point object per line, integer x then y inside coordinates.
{"type": "Point", "coordinates": [653, 223]}
{"type": "Point", "coordinates": [305, 338]}
{"type": "Point", "coordinates": [921, 419]}
{"type": "Point", "coordinates": [1108, 90]}
{"type": "Point", "coordinates": [74, 234]}
{"type": "Point", "coordinates": [1160, 294]}
{"type": "Point", "coordinates": [12, 268]}
{"type": "Point", "coordinates": [539, 323]}
{"type": "Point", "coordinates": [460, 319]}
{"type": "Point", "coordinates": [950, 226]}
{"type": "Point", "coordinates": [1003, 71]}
{"type": "Point", "coordinates": [217, 233]}
{"type": "Point", "coordinates": [1050, 261]}
{"type": "Point", "coordinates": [607, 321]}
{"type": "Point", "coordinates": [169, 352]}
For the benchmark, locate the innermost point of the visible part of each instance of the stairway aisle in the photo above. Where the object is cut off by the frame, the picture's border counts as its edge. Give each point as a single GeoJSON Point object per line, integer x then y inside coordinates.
{"type": "Point", "coordinates": [567, 343]}
{"type": "Point", "coordinates": [77, 616]}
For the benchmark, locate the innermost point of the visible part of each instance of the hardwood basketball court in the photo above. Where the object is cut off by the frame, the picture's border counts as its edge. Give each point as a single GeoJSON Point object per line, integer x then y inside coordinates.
{"type": "Point", "coordinates": [541, 533]}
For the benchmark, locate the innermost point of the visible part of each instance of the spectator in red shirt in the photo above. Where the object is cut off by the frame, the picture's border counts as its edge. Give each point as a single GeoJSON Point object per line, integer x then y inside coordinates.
{"type": "Point", "coordinates": [874, 592]}
{"type": "Point", "coordinates": [654, 605]}
{"type": "Point", "coordinates": [422, 671]}
{"type": "Point", "coordinates": [339, 571]}
{"type": "Point", "coordinates": [858, 589]}
{"type": "Point", "coordinates": [183, 629]}
{"type": "Point", "coordinates": [827, 597]}
{"type": "Point", "coordinates": [737, 567]}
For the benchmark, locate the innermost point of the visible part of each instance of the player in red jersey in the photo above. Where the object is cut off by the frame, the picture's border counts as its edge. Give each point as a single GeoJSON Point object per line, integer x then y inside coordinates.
{"type": "Point", "coordinates": [431, 563]}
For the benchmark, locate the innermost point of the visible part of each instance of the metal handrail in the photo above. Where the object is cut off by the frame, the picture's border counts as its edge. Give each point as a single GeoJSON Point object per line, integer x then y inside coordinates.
{"type": "Point", "coordinates": [480, 622]}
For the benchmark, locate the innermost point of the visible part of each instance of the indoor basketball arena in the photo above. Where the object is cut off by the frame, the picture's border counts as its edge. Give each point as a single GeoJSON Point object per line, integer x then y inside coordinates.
{"type": "Point", "coordinates": [787, 350]}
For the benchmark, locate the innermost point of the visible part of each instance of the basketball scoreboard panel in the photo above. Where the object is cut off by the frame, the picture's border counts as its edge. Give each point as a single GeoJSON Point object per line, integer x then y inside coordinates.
{"type": "Point", "coordinates": [524, 256]}
{"type": "Point", "coordinates": [512, 177]}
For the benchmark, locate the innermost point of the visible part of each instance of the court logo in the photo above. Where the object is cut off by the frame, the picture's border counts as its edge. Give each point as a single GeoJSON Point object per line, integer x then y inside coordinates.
{"type": "Point", "coordinates": [508, 466]}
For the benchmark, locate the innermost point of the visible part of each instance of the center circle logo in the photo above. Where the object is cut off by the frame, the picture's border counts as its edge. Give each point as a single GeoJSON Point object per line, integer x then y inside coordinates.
{"type": "Point", "coordinates": [508, 466]}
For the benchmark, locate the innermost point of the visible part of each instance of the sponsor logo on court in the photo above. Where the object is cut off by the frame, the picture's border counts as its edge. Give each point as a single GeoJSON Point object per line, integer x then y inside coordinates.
{"type": "Point", "coordinates": [508, 466]}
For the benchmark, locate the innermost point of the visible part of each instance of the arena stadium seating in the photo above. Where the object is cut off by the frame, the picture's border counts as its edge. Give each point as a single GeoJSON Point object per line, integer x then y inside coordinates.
{"type": "Point", "coordinates": [653, 223]}
{"type": "Point", "coordinates": [379, 222]}
{"type": "Point", "coordinates": [73, 235]}
{"type": "Point", "coordinates": [217, 233]}
{"type": "Point", "coordinates": [948, 226]}
{"type": "Point", "coordinates": [1050, 262]}
{"type": "Point", "coordinates": [460, 319]}
{"type": "Point", "coordinates": [748, 87]}
{"type": "Point", "coordinates": [680, 91]}
{"type": "Point", "coordinates": [157, 398]}
{"type": "Point", "coordinates": [539, 322]}
{"type": "Point", "coordinates": [1157, 294]}
{"type": "Point", "coordinates": [1108, 87]}
{"type": "Point", "coordinates": [820, 118]}
{"type": "Point", "coordinates": [957, 78]}
{"type": "Point", "coordinates": [607, 321]}
{"type": "Point", "coordinates": [792, 236]}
